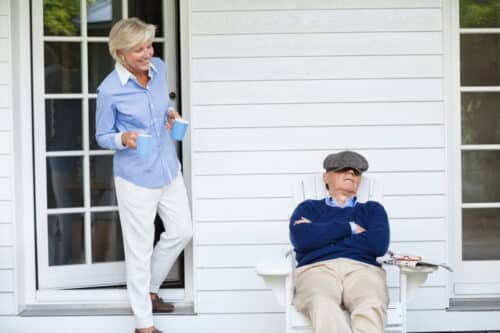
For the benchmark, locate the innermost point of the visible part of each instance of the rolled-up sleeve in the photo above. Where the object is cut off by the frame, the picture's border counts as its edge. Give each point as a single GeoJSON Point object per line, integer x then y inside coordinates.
{"type": "Point", "coordinates": [107, 135]}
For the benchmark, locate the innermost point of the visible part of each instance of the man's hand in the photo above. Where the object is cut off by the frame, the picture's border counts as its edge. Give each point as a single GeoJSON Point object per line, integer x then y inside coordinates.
{"type": "Point", "coordinates": [129, 139]}
{"type": "Point", "coordinates": [302, 220]}
{"type": "Point", "coordinates": [359, 229]}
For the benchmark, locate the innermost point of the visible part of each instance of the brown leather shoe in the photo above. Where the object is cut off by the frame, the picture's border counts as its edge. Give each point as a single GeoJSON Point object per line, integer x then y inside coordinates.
{"type": "Point", "coordinates": [160, 306]}
{"type": "Point", "coordinates": [155, 331]}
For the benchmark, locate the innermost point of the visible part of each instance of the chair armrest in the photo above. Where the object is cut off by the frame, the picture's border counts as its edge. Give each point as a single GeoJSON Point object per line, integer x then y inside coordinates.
{"type": "Point", "coordinates": [275, 266]}
{"type": "Point", "coordinates": [275, 271]}
{"type": "Point", "coordinates": [412, 278]}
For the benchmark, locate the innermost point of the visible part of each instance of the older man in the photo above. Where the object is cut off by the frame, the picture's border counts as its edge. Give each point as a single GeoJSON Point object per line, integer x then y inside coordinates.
{"type": "Point", "coordinates": [337, 241]}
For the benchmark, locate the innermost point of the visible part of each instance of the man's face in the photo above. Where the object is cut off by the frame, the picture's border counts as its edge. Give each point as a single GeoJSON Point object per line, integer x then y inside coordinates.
{"type": "Point", "coordinates": [344, 181]}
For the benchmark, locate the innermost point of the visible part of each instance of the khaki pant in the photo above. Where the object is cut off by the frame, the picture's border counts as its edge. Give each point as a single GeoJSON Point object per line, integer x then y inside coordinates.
{"type": "Point", "coordinates": [324, 289]}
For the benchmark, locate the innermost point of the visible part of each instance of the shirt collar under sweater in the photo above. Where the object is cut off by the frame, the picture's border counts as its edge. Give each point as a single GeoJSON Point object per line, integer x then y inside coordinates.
{"type": "Point", "coordinates": [351, 202]}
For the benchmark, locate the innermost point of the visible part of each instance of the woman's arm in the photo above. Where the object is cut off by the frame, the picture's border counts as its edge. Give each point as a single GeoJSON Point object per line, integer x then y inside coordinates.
{"type": "Point", "coordinates": [107, 135]}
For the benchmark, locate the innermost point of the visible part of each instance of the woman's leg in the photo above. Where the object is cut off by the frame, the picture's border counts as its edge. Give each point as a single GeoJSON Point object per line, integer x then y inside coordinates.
{"type": "Point", "coordinates": [174, 211]}
{"type": "Point", "coordinates": [137, 208]}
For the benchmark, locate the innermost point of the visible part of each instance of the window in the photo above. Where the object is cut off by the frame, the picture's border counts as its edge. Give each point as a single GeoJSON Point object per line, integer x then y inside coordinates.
{"type": "Point", "coordinates": [479, 146]}
{"type": "Point", "coordinates": [77, 225]}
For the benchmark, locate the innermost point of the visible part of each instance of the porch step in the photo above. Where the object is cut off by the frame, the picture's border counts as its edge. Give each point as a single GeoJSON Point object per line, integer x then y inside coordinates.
{"type": "Point", "coordinates": [474, 304]}
{"type": "Point", "coordinates": [57, 310]}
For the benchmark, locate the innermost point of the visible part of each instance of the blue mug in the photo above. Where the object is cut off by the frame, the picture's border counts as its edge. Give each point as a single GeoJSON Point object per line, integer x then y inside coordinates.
{"type": "Point", "coordinates": [179, 129]}
{"type": "Point", "coordinates": [144, 144]}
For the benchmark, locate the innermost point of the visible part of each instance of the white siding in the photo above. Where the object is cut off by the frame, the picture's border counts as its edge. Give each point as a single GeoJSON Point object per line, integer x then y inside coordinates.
{"type": "Point", "coordinates": [226, 5]}
{"type": "Point", "coordinates": [7, 273]}
{"type": "Point", "coordinates": [276, 85]}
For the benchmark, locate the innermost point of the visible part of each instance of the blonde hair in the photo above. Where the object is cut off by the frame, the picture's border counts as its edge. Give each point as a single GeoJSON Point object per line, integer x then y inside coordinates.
{"type": "Point", "coordinates": [127, 33]}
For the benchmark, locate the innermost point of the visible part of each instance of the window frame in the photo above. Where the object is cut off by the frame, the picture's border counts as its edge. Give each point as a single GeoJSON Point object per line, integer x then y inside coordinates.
{"type": "Point", "coordinates": [471, 279]}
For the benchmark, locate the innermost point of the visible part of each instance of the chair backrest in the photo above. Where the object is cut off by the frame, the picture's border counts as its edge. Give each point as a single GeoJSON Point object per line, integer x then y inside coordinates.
{"type": "Point", "coordinates": [313, 187]}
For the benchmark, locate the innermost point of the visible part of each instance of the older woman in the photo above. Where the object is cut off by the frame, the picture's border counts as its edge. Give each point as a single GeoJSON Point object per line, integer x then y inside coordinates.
{"type": "Point", "coordinates": [133, 100]}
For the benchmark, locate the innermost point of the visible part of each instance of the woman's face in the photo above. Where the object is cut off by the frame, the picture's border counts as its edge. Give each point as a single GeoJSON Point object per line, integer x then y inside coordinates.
{"type": "Point", "coordinates": [138, 58]}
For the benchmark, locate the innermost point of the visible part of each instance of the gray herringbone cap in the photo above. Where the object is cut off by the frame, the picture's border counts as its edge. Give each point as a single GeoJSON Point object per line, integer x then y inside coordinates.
{"type": "Point", "coordinates": [345, 159]}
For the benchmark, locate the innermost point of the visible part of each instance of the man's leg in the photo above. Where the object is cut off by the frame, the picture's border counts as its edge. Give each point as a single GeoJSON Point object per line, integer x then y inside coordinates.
{"type": "Point", "coordinates": [365, 296]}
{"type": "Point", "coordinates": [318, 294]}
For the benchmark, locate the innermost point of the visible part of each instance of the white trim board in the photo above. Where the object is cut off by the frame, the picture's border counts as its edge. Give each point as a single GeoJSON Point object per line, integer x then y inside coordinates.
{"type": "Point", "coordinates": [418, 321]}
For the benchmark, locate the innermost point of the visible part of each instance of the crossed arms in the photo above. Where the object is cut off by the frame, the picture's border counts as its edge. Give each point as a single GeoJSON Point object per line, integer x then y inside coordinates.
{"type": "Point", "coordinates": [311, 228]}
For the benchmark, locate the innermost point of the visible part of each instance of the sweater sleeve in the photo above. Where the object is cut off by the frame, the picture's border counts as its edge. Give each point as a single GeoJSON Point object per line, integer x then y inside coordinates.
{"type": "Point", "coordinates": [307, 237]}
{"type": "Point", "coordinates": [375, 240]}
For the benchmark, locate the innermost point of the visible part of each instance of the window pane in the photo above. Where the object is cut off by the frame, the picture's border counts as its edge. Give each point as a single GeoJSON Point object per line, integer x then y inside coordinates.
{"type": "Point", "coordinates": [107, 243]}
{"type": "Point", "coordinates": [479, 14]}
{"type": "Point", "coordinates": [480, 176]}
{"type": "Point", "coordinates": [481, 234]}
{"type": "Point", "coordinates": [66, 239]}
{"type": "Point", "coordinates": [61, 17]}
{"type": "Point", "coordinates": [102, 189]}
{"type": "Point", "coordinates": [92, 139]}
{"type": "Point", "coordinates": [479, 65]}
{"type": "Point", "coordinates": [480, 118]}
{"type": "Point", "coordinates": [101, 15]}
{"type": "Point", "coordinates": [158, 48]}
{"type": "Point", "coordinates": [100, 64]}
{"type": "Point", "coordinates": [63, 124]}
{"type": "Point", "coordinates": [150, 11]}
{"type": "Point", "coordinates": [62, 67]}
{"type": "Point", "coordinates": [64, 182]}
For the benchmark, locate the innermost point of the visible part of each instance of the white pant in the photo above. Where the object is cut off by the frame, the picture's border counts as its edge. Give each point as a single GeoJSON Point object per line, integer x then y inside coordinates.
{"type": "Point", "coordinates": [147, 267]}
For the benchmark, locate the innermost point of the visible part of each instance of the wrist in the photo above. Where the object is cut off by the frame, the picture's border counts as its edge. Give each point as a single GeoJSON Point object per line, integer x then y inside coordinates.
{"type": "Point", "coordinates": [119, 141]}
{"type": "Point", "coordinates": [353, 227]}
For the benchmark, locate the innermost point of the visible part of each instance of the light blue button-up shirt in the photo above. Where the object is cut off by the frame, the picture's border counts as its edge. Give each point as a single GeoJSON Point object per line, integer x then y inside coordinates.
{"type": "Point", "coordinates": [330, 201]}
{"type": "Point", "coordinates": [124, 105]}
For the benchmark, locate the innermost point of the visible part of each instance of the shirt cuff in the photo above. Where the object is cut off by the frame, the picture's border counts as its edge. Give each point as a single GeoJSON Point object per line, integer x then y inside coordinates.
{"type": "Point", "coordinates": [353, 227]}
{"type": "Point", "coordinates": [118, 141]}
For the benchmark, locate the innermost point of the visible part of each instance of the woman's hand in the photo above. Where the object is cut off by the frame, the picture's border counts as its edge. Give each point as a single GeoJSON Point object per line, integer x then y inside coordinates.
{"type": "Point", "coordinates": [172, 115]}
{"type": "Point", "coordinates": [129, 139]}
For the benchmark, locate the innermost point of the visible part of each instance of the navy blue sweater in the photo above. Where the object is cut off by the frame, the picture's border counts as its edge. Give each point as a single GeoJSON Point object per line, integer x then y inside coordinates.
{"type": "Point", "coordinates": [329, 235]}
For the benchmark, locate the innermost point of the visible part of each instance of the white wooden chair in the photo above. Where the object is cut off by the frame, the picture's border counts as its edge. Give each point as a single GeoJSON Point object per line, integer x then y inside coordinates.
{"type": "Point", "coordinates": [278, 272]}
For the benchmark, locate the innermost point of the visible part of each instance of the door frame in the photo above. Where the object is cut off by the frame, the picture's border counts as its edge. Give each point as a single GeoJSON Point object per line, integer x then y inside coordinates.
{"type": "Point", "coordinates": [24, 204]}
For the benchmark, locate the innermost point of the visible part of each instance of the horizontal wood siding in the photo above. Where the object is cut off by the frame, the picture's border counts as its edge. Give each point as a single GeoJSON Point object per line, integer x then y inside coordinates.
{"type": "Point", "coordinates": [315, 21]}
{"type": "Point", "coordinates": [315, 45]}
{"type": "Point", "coordinates": [325, 114]}
{"type": "Point", "coordinates": [7, 235]}
{"type": "Point", "coordinates": [227, 5]}
{"type": "Point", "coordinates": [277, 85]}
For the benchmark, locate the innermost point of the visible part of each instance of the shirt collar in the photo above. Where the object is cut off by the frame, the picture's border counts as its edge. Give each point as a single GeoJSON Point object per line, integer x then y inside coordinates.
{"type": "Point", "coordinates": [125, 75]}
{"type": "Point", "coordinates": [351, 202]}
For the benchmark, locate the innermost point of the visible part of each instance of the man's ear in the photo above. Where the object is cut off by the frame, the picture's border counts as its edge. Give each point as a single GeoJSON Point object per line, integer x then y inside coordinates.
{"type": "Point", "coordinates": [325, 181]}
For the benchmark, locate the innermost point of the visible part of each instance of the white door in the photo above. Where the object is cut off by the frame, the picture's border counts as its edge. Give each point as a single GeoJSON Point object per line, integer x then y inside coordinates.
{"type": "Point", "coordinates": [478, 246]}
{"type": "Point", "coordinates": [78, 232]}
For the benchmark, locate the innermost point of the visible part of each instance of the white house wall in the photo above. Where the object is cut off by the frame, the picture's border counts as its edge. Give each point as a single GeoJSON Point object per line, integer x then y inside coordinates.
{"type": "Point", "coordinates": [7, 253]}
{"type": "Point", "coordinates": [276, 85]}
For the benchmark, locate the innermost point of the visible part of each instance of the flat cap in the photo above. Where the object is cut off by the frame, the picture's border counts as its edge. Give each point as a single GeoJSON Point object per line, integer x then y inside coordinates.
{"type": "Point", "coordinates": [345, 159]}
